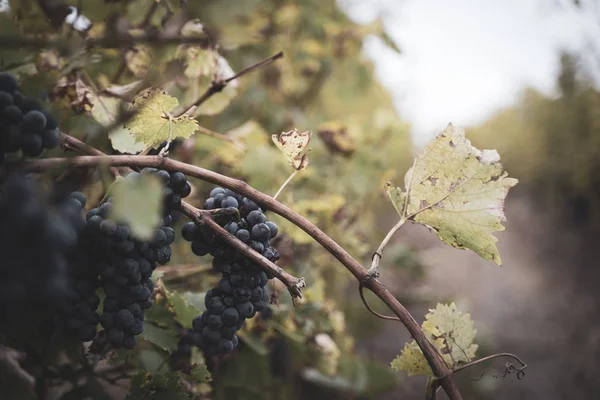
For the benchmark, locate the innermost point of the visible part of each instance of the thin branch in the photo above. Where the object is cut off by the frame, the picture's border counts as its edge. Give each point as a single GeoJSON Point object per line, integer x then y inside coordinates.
{"type": "Point", "coordinates": [294, 285]}
{"type": "Point", "coordinates": [258, 65]}
{"type": "Point", "coordinates": [431, 389]}
{"type": "Point", "coordinates": [378, 254]}
{"type": "Point", "coordinates": [364, 300]}
{"type": "Point", "coordinates": [438, 365]}
{"type": "Point", "coordinates": [285, 183]}
{"type": "Point", "coordinates": [218, 85]}
{"type": "Point", "coordinates": [149, 14]}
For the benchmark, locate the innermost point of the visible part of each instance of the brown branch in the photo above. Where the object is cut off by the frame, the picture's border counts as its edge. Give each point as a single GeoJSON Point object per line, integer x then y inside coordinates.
{"type": "Point", "coordinates": [437, 363]}
{"type": "Point", "coordinates": [217, 85]}
{"type": "Point", "coordinates": [294, 285]}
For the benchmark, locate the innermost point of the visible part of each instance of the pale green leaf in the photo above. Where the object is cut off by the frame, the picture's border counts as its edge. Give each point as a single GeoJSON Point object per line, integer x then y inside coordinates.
{"type": "Point", "coordinates": [184, 311]}
{"type": "Point", "coordinates": [199, 372]}
{"type": "Point", "coordinates": [164, 338]}
{"type": "Point", "coordinates": [458, 191]}
{"type": "Point", "coordinates": [106, 110]}
{"type": "Point", "coordinates": [450, 331]}
{"type": "Point", "coordinates": [137, 203]}
{"type": "Point", "coordinates": [152, 126]}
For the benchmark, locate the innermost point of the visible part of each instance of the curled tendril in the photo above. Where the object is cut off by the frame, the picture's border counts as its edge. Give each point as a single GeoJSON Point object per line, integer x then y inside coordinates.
{"type": "Point", "coordinates": [509, 368]}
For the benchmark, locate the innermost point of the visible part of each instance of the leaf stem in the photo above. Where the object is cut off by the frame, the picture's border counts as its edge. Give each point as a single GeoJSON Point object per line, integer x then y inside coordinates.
{"type": "Point", "coordinates": [285, 183]}
{"type": "Point", "coordinates": [378, 254]}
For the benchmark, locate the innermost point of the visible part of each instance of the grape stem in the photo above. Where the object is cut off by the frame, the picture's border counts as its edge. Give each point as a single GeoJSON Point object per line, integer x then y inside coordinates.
{"type": "Point", "coordinates": [201, 217]}
{"type": "Point", "coordinates": [434, 359]}
{"type": "Point", "coordinates": [285, 183]}
{"type": "Point", "coordinates": [378, 254]}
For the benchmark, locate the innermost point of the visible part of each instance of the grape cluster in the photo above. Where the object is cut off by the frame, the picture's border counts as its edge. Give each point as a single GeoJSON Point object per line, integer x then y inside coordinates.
{"type": "Point", "coordinates": [176, 188]}
{"type": "Point", "coordinates": [37, 239]}
{"type": "Point", "coordinates": [240, 292]}
{"type": "Point", "coordinates": [125, 264]}
{"type": "Point", "coordinates": [77, 314]}
{"type": "Point", "coordinates": [24, 125]}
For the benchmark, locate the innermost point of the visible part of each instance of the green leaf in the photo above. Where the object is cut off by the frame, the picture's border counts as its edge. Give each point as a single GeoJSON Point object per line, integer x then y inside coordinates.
{"type": "Point", "coordinates": [164, 386]}
{"type": "Point", "coordinates": [153, 359]}
{"type": "Point", "coordinates": [199, 371]}
{"type": "Point", "coordinates": [163, 338]}
{"type": "Point", "coordinates": [137, 202]}
{"type": "Point", "coordinates": [196, 299]}
{"type": "Point", "coordinates": [450, 331]}
{"type": "Point", "coordinates": [151, 124]}
{"type": "Point", "coordinates": [184, 311]}
{"type": "Point", "coordinates": [457, 191]}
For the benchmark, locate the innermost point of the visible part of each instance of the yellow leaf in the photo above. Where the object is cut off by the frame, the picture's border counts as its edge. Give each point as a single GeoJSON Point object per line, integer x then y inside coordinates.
{"type": "Point", "coordinates": [294, 145]}
{"type": "Point", "coordinates": [457, 191]}
{"type": "Point", "coordinates": [450, 331]}
{"type": "Point", "coordinates": [152, 126]}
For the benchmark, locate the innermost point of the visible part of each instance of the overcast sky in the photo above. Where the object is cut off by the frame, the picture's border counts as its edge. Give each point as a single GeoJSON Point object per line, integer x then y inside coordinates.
{"type": "Point", "coordinates": [462, 59]}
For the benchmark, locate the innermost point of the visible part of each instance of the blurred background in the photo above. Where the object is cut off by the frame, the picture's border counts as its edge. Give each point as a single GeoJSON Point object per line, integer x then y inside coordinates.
{"type": "Point", "coordinates": [375, 81]}
{"type": "Point", "coordinates": [522, 78]}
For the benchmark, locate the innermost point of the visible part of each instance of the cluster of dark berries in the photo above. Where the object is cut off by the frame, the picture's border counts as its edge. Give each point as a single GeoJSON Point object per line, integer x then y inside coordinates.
{"type": "Point", "coordinates": [37, 239]}
{"type": "Point", "coordinates": [125, 264]}
{"type": "Point", "coordinates": [240, 292]}
{"type": "Point", "coordinates": [176, 188]}
{"type": "Point", "coordinates": [24, 125]}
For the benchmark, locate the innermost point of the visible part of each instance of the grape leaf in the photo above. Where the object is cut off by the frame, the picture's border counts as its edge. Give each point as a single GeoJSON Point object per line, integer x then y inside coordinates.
{"type": "Point", "coordinates": [199, 372]}
{"type": "Point", "coordinates": [165, 339]}
{"type": "Point", "coordinates": [151, 124]}
{"type": "Point", "coordinates": [457, 191]}
{"type": "Point", "coordinates": [294, 145]}
{"type": "Point", "coordinates": [137, 202]}
{"type": "Point", "coordinates": [106, 111]}
{"type": "Point", "coordinates": [450, 331]}
{"type": "Point", "coordinates": [184, 311]}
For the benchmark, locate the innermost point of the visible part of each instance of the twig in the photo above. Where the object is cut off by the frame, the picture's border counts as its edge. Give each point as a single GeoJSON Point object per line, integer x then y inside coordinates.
{"type": "Point", "coordinates": [431, 389]}
{"type": "Point", "coordinates": [294, 285]}
{"type": "Point", "coordinates": [218, 85]}
{"type": "Point", "coordinates": [285, 183]}
{"type": "Point", "coordinates": [438, 365]}
{"type": "Point", "coordinates": [377, 256]}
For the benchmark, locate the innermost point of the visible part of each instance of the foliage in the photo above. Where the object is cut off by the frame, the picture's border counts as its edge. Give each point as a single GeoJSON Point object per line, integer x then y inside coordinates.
{"type": "Point", "coordinates": [450, 331]}
{"type": "Point", "coordinates": [130, 99]}
{"type": "Point", "coordinates": [458, 191]}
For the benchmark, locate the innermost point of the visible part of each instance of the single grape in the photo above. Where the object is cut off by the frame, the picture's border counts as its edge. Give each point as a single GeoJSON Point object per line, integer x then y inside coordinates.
{"type": "Point", "coordinates": [8, 82]}
{"type": "Point", "coordinates": [11, 115]}
{"type": "Point", "coordinates": [34, 122]}
{"type": "Point", "coordinates": [272, 229]}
